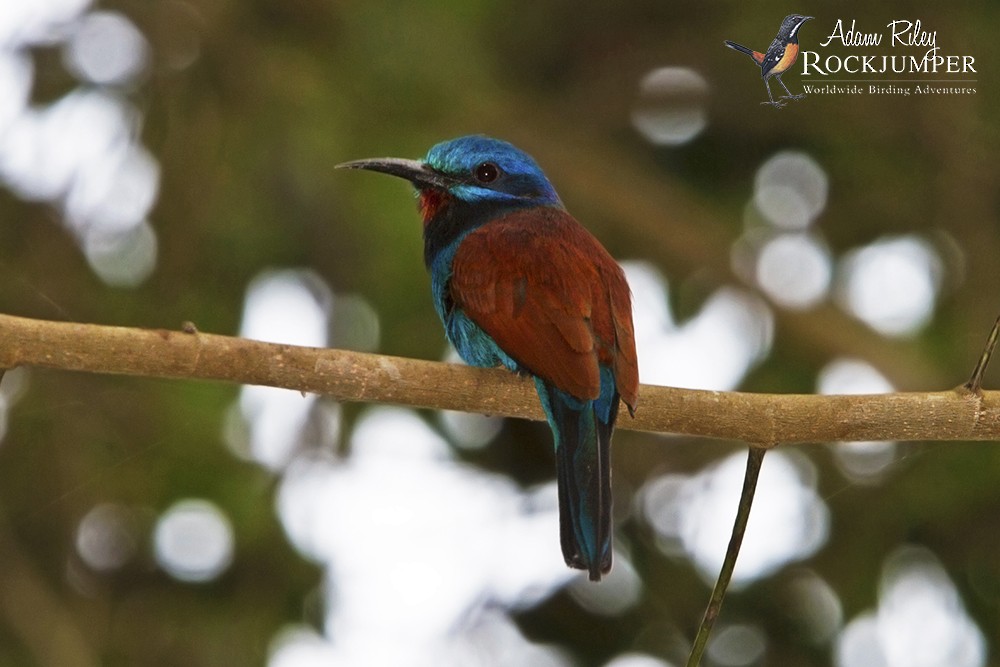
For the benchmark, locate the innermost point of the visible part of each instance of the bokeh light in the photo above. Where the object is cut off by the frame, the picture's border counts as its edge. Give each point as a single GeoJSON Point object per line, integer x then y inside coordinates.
{"type": "Point", "coordinates": [671, 106]}
{"type": "Point", "coordinates": [45, 150]}
{"type": "Point", "coordinates": [862, 462]}
{"type": "Point", "coordinates": [794, 270]}
{"type": "Point", "coordinates": [790, 190]}
{"type": "Point", "coordinates": [468, 430]}
{"type": "Point", "coordinates": [81, 152]}
{"type": "Point", "coordinates": [779, 252]}
{"type": "Point", "coordinates": [619, 591]}
{"type": "Point", "coordinates": [4, 407]}
{"type": "Point", "coordinates": [16, 77]}
{"type": "Point", "coordinates": [193, 541]}
{"type": "Point", "coordinates": [355, 324]}
{"type": "Point", "coordinates": [737, 645]}
{"type": "Point", "coordinates": [920, 620]}
{"type": "Point", "coordinates": [13, 384]}
{"type": "Point", "coordinates": [29, 23]}
{"type": "Point", "coordinates": [287, 306]}
{"type": "Point", "coordinates": [301, 647]}
{"type": "Point", "coordinates": [106, 48]}
{"type": "Point", "coordinates": [413, 541]}
{"type": "Point", "coordinates": [694, 514]}
{"type": "Point", "coordinates": [814, 607]}
{"type": "Point", "coordinates": [892, 284]}
{"type": "Point", "coordinates": [713, 350]}
{"type": "Point", "coordinates": [107, 537]}
{"type": "Point", "coordinates": [122, 259]}
{"type": "Point", "coordinates": [636, 660]}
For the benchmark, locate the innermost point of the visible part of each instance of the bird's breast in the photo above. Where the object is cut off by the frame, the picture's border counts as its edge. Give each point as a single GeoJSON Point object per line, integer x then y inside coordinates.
{"type": "Point", "coordinates": [787, 58]}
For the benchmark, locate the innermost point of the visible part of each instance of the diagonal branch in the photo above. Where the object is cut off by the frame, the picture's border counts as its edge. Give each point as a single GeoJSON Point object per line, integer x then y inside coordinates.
{"type": "Point", "coordinates": [767, 419]}
{"type": "Point", "coordinates": [755, 457]}
{"type": "Point", "coordinates": [975, 383]}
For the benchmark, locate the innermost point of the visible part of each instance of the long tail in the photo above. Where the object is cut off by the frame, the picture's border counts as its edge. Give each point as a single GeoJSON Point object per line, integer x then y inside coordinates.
{"type": "Point", "coordinates": [582, 432]}
{"type": "Point", "coordinates": [756, 55]}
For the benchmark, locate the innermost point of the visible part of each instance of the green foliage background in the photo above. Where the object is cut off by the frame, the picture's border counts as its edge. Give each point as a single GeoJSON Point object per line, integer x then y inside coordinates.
{"type": "Point", "coordinates": [247, 135]}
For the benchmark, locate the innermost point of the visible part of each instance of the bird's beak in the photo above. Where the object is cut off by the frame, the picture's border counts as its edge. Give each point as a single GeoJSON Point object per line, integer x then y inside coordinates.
{"type": "Point", "coordinates": [807, 18]}
{"type": "Point", "coordinates": [415, 171]}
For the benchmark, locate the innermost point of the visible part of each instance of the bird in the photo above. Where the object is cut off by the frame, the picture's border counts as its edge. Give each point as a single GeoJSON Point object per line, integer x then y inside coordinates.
{"type": "Point", "coordinates": [781, 55]}
{"type": "Point", "coordinates": [518, 283]}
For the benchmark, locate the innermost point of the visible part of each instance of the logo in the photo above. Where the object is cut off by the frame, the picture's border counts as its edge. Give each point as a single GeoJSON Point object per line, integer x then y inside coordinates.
{"type": "Point", "coordinates": [902, 59]}
{"type": "Point", "coordinates": [778, 58]}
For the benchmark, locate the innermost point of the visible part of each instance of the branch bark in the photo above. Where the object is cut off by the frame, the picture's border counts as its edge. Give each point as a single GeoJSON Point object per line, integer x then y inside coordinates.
{"type": "Point", "coordinates": [763, 419]}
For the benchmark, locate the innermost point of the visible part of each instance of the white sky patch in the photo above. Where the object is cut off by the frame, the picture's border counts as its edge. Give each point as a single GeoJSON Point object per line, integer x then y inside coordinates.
{"type": "Point", "coordinates": [712, 350]}
{"type": "Point", "coordinates": [38, 21]}
{"type": "Point", "coordinates": [694, 515]}
{"type": "Point", "coordinates": [892, 284]}
{"type": "Point", "coordinates": [293, 307]}
{"type": "Point", "coordinates": [920, 620]}
{"type": "Point", "coordinates": [637, 660]}
{"type": "Point", "coordinates": [193, 541]}
{"type": "Point", "coordinates": [794, 270]}
{"type": "Point", "coordinates": [106, 48]}
{"type": "Point", "coordinates": [81, 152]}
{"type": "Point", "coordinates": [863, 462]}
{"type": "Point", "coordinates": [413, 541]}
{"type": "Point", "coordinates": [16, 77]}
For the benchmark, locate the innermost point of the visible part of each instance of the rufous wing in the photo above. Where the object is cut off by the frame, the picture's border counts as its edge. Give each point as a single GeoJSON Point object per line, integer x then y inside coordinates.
{"type": "Point", "coordinates": [551, 297]}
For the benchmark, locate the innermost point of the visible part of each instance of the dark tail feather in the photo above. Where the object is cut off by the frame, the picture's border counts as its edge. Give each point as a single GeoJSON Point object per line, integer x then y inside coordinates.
{"type": "Point", "coordinates": [740, 48]}
{"type": "Point", "coordinates": [583, 469]}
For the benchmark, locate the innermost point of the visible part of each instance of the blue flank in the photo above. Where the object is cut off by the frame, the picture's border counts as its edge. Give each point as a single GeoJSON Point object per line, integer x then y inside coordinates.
{"type": "Point", "coordinates": [473, 345]}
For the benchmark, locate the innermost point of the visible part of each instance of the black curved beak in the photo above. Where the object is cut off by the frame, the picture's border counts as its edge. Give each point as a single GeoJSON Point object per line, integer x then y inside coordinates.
{"type": "Point", "coordinates": [415, 171]}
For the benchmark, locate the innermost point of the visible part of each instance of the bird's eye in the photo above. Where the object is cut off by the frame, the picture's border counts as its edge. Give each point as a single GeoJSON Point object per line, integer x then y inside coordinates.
{"type": "Point", "coordinates": [487, 172]}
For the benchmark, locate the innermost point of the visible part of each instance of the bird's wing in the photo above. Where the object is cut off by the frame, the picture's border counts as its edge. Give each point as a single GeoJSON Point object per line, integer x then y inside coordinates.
{"type": "Point", "coordinates": [551, 297]}
{"type": "Point", "coordinates": [772, 56]}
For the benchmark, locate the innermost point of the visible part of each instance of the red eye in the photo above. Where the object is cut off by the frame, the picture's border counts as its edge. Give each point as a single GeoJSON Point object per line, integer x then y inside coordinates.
{"type": "Point", "coordinates": [487, 172]}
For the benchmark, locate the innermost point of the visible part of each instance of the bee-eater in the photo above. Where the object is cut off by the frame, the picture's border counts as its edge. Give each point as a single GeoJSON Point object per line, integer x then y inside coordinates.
{"type": "Point", "coordinates": [519, 283]}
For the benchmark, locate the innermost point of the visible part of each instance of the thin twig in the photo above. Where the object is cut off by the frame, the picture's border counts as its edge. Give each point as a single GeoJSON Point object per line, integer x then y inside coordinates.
{"type": "Point", "coordinates": [754, 459]}
{"type": "Point", "coordinates": [975, 383]}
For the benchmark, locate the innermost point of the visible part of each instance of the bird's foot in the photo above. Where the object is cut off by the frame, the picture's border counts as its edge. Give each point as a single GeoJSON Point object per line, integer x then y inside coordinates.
{"type": "Point", "coordinates": [793, 97]}
{"type": "Point", "coordinates": [777, 104]}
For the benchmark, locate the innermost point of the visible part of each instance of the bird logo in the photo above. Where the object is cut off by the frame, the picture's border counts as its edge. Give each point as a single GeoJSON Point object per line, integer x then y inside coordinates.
{"type": "Point", "coordinates": [519, 283]}
{"type": "Point", "coordinates": [781, 55]}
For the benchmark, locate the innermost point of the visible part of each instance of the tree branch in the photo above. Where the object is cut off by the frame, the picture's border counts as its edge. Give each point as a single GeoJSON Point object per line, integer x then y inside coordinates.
{"type": "Point", "coordinates": [763, 419]}
{"type": "Point", "coordinates": [755, 457]}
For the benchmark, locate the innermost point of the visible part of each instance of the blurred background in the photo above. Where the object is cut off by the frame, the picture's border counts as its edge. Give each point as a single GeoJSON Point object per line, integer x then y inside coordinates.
{"type": "Point", "coordinates": [171, 161]}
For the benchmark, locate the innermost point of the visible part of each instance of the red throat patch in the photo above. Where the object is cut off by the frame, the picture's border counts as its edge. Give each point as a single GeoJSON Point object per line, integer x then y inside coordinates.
{"type": "Point", "coordinates": [432, 201]}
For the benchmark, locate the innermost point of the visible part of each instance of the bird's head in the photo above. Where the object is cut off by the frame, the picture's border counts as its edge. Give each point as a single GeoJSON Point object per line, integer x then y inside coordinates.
{"type": "Point", "coordinates": [473, 170]}
{"type": "Point", "coordinates": [790, 26]}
